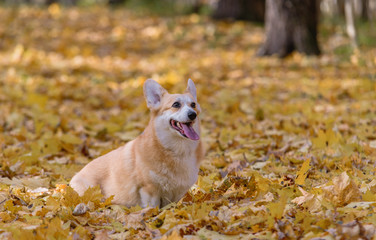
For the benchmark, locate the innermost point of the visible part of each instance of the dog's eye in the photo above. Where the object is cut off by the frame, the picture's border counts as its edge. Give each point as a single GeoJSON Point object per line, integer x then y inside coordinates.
{"type": "Point", "coordinates": [176, 105]}
{"type": "Point", "coordinates": [193, 105]}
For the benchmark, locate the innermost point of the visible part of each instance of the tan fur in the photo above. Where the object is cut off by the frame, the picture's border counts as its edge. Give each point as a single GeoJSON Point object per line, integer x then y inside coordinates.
{"type": "Point", "coordinates": [144, 172]}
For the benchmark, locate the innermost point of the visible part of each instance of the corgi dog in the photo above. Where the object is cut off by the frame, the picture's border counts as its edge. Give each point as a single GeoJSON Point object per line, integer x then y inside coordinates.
{"type": "Point", "coordinates": [160, 165]}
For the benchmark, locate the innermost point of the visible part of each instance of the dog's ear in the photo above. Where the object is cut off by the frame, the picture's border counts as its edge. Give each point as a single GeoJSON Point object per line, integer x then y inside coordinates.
{"type": "Point", "coordinates": [153, 93]}
{"type": "Point", "coordinates": [191, 88]}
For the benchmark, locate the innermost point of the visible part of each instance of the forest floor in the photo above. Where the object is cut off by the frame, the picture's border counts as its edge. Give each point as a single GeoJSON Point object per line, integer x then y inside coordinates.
{"type": "Point", "coordinates": [290, 144]}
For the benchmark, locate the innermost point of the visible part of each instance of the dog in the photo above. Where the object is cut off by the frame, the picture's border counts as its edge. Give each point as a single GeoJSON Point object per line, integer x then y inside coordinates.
{"type": "Point", "coordinates": [161, 164]}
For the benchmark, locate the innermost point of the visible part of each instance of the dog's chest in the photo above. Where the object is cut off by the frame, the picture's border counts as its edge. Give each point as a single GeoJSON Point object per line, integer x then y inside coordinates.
{"type": "Point", "coordinates": [175, 180]}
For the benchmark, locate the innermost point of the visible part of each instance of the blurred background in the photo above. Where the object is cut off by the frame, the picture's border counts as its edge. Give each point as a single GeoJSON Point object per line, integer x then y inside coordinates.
{"type": "Point", "coordinates": [71, 74]}
{"type": "Point", "coordinates": [290, 25]}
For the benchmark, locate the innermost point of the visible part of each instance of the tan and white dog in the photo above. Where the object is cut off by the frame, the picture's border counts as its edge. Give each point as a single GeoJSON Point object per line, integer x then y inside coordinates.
{"type": "Point", "coordinates": [160, 165]}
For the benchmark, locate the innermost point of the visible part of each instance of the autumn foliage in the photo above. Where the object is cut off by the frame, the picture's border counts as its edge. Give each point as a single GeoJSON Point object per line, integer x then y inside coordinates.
{"type": "Point", "coordinates": [291, 145]}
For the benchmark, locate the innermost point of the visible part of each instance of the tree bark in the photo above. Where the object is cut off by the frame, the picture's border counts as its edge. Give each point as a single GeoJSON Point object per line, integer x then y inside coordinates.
{"type": "Point", "coordinates": [341, 7]}
{"type": "Point", "coordinates": [254, 10]}
{"type": "Point", "coordinates": [365, 7]}
{"type": "Point", "coordinates": [291, 25]}
{"type": "Point", "coordinates": [231, 9]}
{"type": "Point", "coordinates": [116, 2]}
{"type": "Point", "coordinates": [251, 10]}
{"type": "Point", "coordinates": [49, 2]}
{"type": "Point", "coordinates": [350, 23]}
{"type": "Point", "coordinates": [63, 2]}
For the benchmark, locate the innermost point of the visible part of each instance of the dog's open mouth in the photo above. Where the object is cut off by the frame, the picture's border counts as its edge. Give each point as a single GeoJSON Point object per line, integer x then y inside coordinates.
{"type": "Point", "coordinates": [185, 129]}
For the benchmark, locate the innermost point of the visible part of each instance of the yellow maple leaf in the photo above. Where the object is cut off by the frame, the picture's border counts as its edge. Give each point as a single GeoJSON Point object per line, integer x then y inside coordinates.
{"type": "Point", "coordinates": [9, 205]}
{"type": "Point", "coordinates": [52, 204]}
{"type": "Point", "coordinates": [303, 172]}
{"type": "Point", "coordinates": [205, 182]}
{"type": "Point", "coordinates": [70, 138]}
{"type": "Point", "coordinates": [94, 195]}
{"type": "Point", "coordinates": [71, 197]}
{"type": "Point", "coordinates": [52, 229]}
{"type": "Point", "coordinates": [328, 138]}
{"type": "Point", "coordinates": [369, 196]}
{"type": "Point", "coordinates": [277, 208]}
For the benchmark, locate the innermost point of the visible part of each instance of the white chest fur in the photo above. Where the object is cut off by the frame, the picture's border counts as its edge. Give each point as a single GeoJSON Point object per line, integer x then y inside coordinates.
{"type": "Point", "coordinates": [175, 179]}
{"type": "Point", "coordinates": [174, 183]}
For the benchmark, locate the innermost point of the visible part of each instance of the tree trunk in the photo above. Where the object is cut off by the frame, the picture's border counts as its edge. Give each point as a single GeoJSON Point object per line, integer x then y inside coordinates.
{"type": "Point", "coordinates": [63, 2]}
{"type": "Point", "coordinates": [291, 25]}
{"type": "Point", "coordinates": [341, 7]}
{"type": "Point", "coordinates": [251, 10]}
{"type": "Point", "coordinates": [365, 7]}
{"type": "Point", "coordinates": [254, 10]}
{"type": "Point", "coordinates": [350, 23]}
{"type": "Point", "coordinates": [231, 9]}
{"type": "Point", "coordinates": [116, 2]}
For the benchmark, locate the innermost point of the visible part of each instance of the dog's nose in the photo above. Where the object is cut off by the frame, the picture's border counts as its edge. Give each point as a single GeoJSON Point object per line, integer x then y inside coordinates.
{"type": "Point", "coordinates": [192, 115]}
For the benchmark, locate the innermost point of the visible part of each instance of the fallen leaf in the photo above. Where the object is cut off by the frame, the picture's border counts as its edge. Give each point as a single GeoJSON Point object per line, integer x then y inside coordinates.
{"type": "Point", "coordinates": [303, 172]}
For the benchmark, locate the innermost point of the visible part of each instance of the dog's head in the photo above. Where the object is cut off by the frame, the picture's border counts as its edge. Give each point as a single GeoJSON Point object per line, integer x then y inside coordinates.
{"type": "Point", "coordinates": [176, 115]}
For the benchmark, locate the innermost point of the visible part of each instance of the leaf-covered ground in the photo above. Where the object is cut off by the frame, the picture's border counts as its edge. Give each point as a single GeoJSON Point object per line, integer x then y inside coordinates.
{"type": "Point", "coordinates": [291, 145]}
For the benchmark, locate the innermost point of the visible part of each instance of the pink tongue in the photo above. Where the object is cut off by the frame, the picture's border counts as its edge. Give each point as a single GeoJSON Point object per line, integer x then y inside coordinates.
{"type": "Point", "coordinates": [190, 132]}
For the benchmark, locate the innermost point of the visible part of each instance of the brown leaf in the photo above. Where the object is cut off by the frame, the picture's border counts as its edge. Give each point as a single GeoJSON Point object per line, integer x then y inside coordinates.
{"type": "Point", "coordinates": [343, 191]}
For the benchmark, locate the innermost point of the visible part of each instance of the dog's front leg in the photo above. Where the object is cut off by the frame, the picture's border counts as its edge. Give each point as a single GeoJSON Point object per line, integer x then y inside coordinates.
{"type": "Point", "coordinates": [149, 198]}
